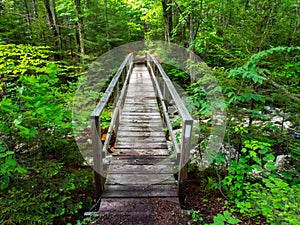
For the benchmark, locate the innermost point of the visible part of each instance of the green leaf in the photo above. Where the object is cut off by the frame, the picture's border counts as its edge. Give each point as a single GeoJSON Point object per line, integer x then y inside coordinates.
{"type": "Point", "coordinates": [263, 151]}
{"type": "Point", "coordinates": [220, 159]}
{"type": "Point", "coordinates": [270, 166]}
{"type": "Point", "coordinates": [4, 181]}
{"type": "Point", "coordinates": [269, 157]}
{"type": "Point", "coordinates": [232, 220]}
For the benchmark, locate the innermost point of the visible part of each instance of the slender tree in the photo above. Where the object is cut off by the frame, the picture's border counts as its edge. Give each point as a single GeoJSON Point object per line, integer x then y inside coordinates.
{"type": "Point", "coordinates": [80, 28]}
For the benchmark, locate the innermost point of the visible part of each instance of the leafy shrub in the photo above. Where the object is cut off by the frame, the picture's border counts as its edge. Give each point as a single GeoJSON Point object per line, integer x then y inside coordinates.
{"type": "Point", "coordinates": [36, 126]}
{"type": "Point", "coordinates": [8, 166]}
{"type": "Point", "coordinates": [256, 189]}
{"type": "Point", "coordinates": [50, 193]}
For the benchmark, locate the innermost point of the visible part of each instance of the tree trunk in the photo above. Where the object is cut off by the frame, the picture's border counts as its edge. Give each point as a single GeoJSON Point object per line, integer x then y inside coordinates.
{"type": "Point", "coordinates": [2, 87]}
{"type": "Point", "coordinates": [167, 14]}
{"type": "Point", "coordinates": [35, 11]}
{"type": "Point", "coordinates": [80, 29]}
{"type": "Point", "coordinates": [52, 20]}
{"type": "Point", "coordinates": [106, 24]}
{"type": "Point", "coordinates": [251, 109]}
{"type": "Point", "coordinates": [55, 23]}
{"type": "Point", "coordinates": [28, 18]}
{"type": "Point", "coordinates": [191, 46]}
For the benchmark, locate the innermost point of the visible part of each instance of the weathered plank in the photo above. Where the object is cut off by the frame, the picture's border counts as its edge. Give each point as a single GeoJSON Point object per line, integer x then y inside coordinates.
{"type": "Point", "coordinates": [125, 114]}
{"type": "Point", "coordinates": [145, 145]}
{"type": "Point", "coordinates": [144, 124]}
{"type": "Point", "coordinates": [138, 97]}
{"type": "Point", "coordinates": [139, 191]}
{"type": "Point", "coordinates": [141, 160]}
{"type": "Point", "coordinates": [141, 133]}
{"type": "Point", "coordinates": [143, 139]}
{"type": "Point", "coordinates": [134, 116]}
{"type": "Point", "coordinates": [140, 179]}
{"type": "Point", "coordinates": [141, 120]}
{"type": "Point", "coordinates": [142, 169]}
{"type": "Point", "coordinates": [137, 152]}
{"type": "Point", "coordinates": [141, 127]}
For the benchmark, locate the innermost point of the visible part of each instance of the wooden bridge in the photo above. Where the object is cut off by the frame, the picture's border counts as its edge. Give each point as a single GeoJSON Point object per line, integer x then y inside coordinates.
{"type": "Point", "coordinates": [142, 164]}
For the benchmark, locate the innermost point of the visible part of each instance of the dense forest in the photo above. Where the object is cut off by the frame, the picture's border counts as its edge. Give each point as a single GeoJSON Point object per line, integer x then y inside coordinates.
{"type": "Point", "coordinates": [251, 46]}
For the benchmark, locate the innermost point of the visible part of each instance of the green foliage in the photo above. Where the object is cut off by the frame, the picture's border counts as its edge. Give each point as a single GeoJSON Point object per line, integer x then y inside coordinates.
{"type": "Point", "coordinates": [106, 118]}
{"type": "Point", "coordinates": [177, 123]}
{"type": "Point", "coordinates": [219, 219]}
{"type": "Point", "coordinates": [8, 166]}
{"type": "Point", "coordinates": [225, 218]}
{"type": "Point", "coordinates": [177, 75]}
{"type": "Point", "coordinates": [87, 220]}
{"type": "Point", "coordinates": [251, 70]}
{"type": "Point", "coordinates": [48, 194]}
{"type": "Point", "coordinates": [195, 215]}
{"type": "Point", "coordinates": [276, 200]}
{"type": "Point", "coordinates": [36, 107]}
{"type": "Point", "coordinates": [35, 123]}
{"type": "Point", "coordinates": [256, 189]}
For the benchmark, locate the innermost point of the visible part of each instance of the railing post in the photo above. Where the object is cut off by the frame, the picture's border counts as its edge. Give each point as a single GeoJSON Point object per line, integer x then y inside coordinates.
{"type": "Point", "coordinates": [184, 158]}
{"type": "Point", "coordinates": [98, 157]}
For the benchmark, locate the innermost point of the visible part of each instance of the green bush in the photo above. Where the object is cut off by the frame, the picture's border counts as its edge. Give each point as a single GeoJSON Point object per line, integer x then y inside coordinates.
{"type": "Point", "coordinates": [36, 126]}
{"type": "Point", "coordinates": [256, 189]}
{"type": "Point", "coordinates": [50, 193]}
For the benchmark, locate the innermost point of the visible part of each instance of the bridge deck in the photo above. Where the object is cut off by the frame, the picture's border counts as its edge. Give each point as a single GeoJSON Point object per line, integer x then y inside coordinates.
{"type": "Point", "coordinates": [141, 166]}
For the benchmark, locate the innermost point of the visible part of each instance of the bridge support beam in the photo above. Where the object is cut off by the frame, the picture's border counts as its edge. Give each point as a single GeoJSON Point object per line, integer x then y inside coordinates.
{"type": "Point", "coordinates": [184, 159]}
{"type": "Point", "coordinates": [98, 156]}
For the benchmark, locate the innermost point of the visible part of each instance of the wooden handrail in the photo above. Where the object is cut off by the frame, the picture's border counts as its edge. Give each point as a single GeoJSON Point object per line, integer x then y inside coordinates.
{"type": "Point", "coordinates": [164, 110]}
{"type": "Point", "coordinates": [187, 122]}
{"type": "Point", "coordinates": [118, 109]}
{"type": "Point", "coordinates": [98, 153]}
{"type": "Point", "coordinates": [100, 106]}
{"type": "Point", "coordinates": [175, 96]}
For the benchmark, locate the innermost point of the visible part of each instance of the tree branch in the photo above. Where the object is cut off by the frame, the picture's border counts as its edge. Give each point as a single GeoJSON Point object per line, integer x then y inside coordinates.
{"type": "Point", "coordinates": [283, 89]}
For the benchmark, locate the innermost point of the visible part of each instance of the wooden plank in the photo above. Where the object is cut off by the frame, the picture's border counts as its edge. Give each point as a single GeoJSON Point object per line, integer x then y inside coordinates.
{"type": "Point", "coordinates": [159, 139]}
{"type": "Point", "coordinates": [140, 99]}
{"type": "Point", "coordinates": [141, 120]}
{"type": "Point", "coordinates": [141, 134]}
{"type": "Point", "coordinates": [146, 145]}
{"type": "Point", "coordinates": [132, 107]}
{"type": "Point", "coordinates": [145, 119]}
{"type": "Point", "coordinates": [139, 191]}
{"type": "Point", "coordinates": [144, 152]}
{"type": "Point", "coordinates": [140, 131]}
{"type": "Point", "coordinates": [140, 179]}
{"type": "Point", "coordinates": [142, 169]}
{"type": "Point", "coordinates": [142, 160]}
{"type": "Point", "coordinates": [141, 114]}
{"type": "Point", "coordinates": [145, 125]}
{"type": "Point", "coordinates": [140, 110]}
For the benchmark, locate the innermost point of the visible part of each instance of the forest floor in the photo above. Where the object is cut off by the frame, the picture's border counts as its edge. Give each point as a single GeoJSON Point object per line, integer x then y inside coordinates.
{"type": "Point", "coordinates": [208, 202]}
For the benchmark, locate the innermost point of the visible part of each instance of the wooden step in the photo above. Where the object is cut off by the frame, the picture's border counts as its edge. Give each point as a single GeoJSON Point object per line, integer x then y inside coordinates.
{"type": "Point", "coordinates": [145, 169]}
{"type": "Point", "coordinates": [139, 191]}
{"type": "Point", "coordinates": [138, 152]}
{"type": "Point", "coordinates": [145, 145]}
{"type": "Point", "coordinates": [140, 179]}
